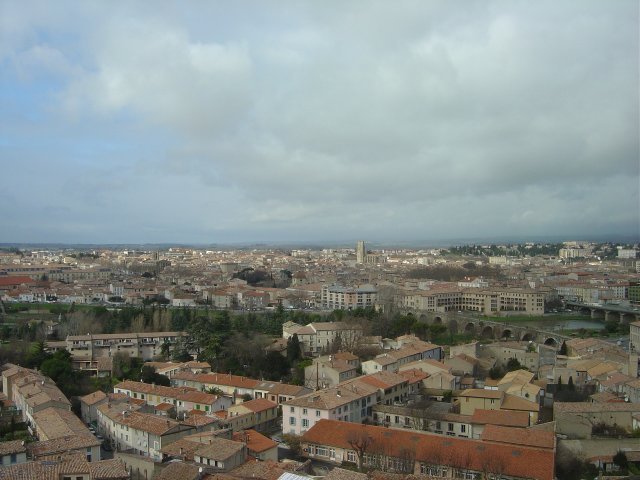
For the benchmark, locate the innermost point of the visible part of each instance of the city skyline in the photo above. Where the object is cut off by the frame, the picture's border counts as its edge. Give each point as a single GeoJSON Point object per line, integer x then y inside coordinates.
{"type": "Point", "coordinates": [298, 122]}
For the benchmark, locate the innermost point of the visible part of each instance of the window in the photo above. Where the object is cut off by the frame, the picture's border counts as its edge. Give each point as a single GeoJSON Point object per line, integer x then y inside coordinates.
{"type": "Point", "coordinates": [292, 409]}
{"type": "Point", "coordinates": [397, 419]}
{"type": "Point", "coordinates": [14, 458]}
{"type": "Point", "coordinates": [304, 411]}
{"type": "Point", "coordinates": [292, 420]}
{"type": "Point", "coordinates": [451, 427]}
{"type": "Point", "coordinates": [322, 451]}
{"type": "Point", "coordinates": [305, 423]}
{"type": "Point", "coordinates": [317, 413]}
{"type": "Point", "coordinates": [438, 426]}
{"type": "Point", "coordinates": [463, 428]}
{"type": "Point", "coordinates": [351, 457]}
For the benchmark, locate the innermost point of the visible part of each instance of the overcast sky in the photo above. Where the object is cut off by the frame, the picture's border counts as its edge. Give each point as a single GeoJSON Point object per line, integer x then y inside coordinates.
{"type": "Point", "coordinates": [242, 121]}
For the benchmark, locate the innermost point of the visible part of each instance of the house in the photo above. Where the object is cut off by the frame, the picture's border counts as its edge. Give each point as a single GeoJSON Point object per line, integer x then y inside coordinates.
{"type": "Point", "coordinates": [89, 406]}
{"type": "Point", "coordinates": [258, 446]}
{"type": "Point", "coordinates": [411, 350]}
{"type": "Point", "coordinates": [278, 392]}
{"type": "Point", "coordinates": [407, 452]}
{"type": "Point", "coordinates": [228, 384]}
{"type": "Point", "coordinates": [85, 444]}
{"type": "Point", "coordinates": [582, 420]}
{"type": "Point", "coordinates": [349, 403]}
{"type": "Point", "coordinates": [66, 466]}
{"type": "Point", "coordinates": [481, 418]}
{"type": "Point", "coordinates": [263, 412]}
{"type": "Point", "coordinates": [183, 399]}
{"type": "Point", "coordinates": [435, 418]}
{"type": "Point", "coordinates": [12, 452]}
{"type": "Point", "coordinates": [319, 337]}
{"type": "Point", "coordinates": [475, 398]}
{"type": "Point", "coordinates": [142, 433]}
{"type": "Point", "coordinates": [328, 372]}
{"type": "Point", "coordinates": [221, 454]}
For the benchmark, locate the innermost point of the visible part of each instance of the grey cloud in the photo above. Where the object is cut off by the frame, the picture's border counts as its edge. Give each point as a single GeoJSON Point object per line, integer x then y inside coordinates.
{"type": "Point", "coordinates": [499, 116]}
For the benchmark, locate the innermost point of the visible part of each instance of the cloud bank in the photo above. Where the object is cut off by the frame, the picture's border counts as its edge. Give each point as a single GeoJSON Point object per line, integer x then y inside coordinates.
{"type": "Point", "coordinates": [308, 121]}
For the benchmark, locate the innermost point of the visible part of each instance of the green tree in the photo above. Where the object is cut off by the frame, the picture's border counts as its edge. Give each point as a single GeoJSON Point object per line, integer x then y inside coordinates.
{"type": "Point", "coordinates": [276, 366]}
{"type": "Point", "coordinates": [294, 352]}
{"type": "Point", "coordinates": [37, 355]}
{"type": "Point", "coordinates": [58, 366]}
{"type": "Point", "coordinates": [148, 374]}
{"type": "Point", "coordinates": [513, 364]}
{"type": "Point", "coordinates": [563, 348]}
{"type": "Point", "coordinates": [620, 459]}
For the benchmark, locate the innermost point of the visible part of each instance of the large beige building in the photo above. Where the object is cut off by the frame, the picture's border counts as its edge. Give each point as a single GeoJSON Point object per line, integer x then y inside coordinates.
{"type": "Point", "coordinates": [483, 300]}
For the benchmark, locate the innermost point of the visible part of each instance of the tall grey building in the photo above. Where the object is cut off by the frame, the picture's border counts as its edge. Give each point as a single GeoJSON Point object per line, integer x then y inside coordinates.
{"type": "Point", "coordinates": [360, 252]}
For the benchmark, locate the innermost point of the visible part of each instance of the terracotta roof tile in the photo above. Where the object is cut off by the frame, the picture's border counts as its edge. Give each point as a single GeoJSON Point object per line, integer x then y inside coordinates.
{"type": "Point", "coordinates": [475, 454]}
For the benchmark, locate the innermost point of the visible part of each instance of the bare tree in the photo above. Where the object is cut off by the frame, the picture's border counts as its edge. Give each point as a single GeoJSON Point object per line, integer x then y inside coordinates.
{"type": "Point", "coordinates": [361, 442]}
{"type": "Point", "coordinates": [493, 466]}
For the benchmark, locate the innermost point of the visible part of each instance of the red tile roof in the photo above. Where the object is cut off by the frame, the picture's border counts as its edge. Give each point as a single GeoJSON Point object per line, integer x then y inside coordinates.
{"type": "Point", "coordinates": [511, 460]}
{"type": "Point", "coordinates": [259, 405]}
{"type": "Point", "coordinates": [14, 280]}
{"type": "Point", "coordinates": [500, 417]}
{"type": "Point", "coordinates": [519, 436]}
{"type": "Point", "coordinates": [256, 442]}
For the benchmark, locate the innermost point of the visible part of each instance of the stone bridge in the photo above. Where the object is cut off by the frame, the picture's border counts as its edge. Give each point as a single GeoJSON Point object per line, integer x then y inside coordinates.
{"type": "Point", "coordinates": [606, 312]}
{"type": "Point", "coordinates": [461, 323]}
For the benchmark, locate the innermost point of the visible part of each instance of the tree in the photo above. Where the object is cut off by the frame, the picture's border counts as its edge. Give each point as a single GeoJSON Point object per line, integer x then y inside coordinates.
{"type": "Point", "coordinates": [149, 375]}
{"type": "Point", "coordinates": [58, 366]}
{"type": "Point", "coordinates": [563, 348]}
{"type": "Point", "coordinates": [37, 355]}
{"type": "Point", "coordinates": [620, 459]}
{"type": "Point", "coordinates": [570, 385]}
{"type": "Point", "coordinates": [513, 364]}
{"type": "Point", "coordinates": [360, 441]}
{"type": "Point", "coordinates": [293, 349]}
{"type": "Point", "coordinates": [293, 442]}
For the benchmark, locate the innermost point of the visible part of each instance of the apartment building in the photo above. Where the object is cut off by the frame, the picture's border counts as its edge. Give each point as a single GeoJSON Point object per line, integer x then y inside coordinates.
{"type": "Point", "coordinates": [337, 297]}
{"type": "Point", "coordinates": [144, 345]}
{"type": "Point", "coordinates": [406, 452]}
